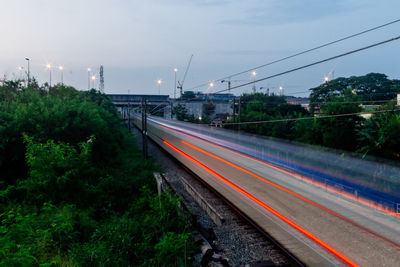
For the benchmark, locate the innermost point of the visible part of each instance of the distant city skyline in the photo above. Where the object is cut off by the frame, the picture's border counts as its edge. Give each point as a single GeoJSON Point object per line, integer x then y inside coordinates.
{"type": "Point", "coordinates": [142, 42]}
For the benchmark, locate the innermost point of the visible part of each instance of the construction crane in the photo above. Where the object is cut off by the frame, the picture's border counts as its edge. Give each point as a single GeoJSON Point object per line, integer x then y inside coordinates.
{"type": "Point", "coordinates": [180, 83]}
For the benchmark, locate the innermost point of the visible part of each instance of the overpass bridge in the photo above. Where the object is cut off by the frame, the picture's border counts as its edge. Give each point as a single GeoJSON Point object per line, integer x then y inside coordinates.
{"type": "Point", "coordinates": [327, 209]}
{"type": "Point", "coordinates": [125, 103]}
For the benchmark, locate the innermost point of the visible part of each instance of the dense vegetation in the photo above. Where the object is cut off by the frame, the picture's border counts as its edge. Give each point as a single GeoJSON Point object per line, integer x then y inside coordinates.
{"type": "Point", "coordinates": [377, 135]}
{"type": "Point", "coordinates": [74, 189]}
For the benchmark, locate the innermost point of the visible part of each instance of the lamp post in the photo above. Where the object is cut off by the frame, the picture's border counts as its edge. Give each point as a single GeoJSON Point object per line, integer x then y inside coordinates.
{"type": "Point", "coordinates": [159, 82]}
{"type": "Point", "coordinates": [88, 78]}
{"type": "Point", "coordinates": [20, 68]}
{"type": "Point", "coordinates": [175, 71]}
{"type": "Point", "coordinates": [29, 71]}
{"type": "Point", "coordinates": [61, 68]}
{"type": "Point", "coordinates": [93, 80]}
{"type": "Point", "coordinates": [48, 66]}
{"type": "Point", "coordinates": [281, 90]}
{"type": "Point", "coordinates": [254, 81]}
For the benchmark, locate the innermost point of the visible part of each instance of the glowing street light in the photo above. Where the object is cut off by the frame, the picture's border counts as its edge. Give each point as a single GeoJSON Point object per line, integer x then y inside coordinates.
{"type": "Point", "coordinates": [281, 90]}
{"type": "Point", "coordinates": [211, 84]}
{"type": "Point", "coordinates": [159, 82]}
{"type": "Point", "coordinates": [326, 79]}
{"type": "Point", "coordinates": [93, 78]}
{"type": "Point", "coordinates": [254, 74]}
{"type": "Point", "coordinates": [88, 79]}
{"type": "Point", "coordinates": [48, 66]}
{"type": "Point", "coordinates": [61, 68]}
{"type": "Point", "coordinates": [20, 68]}
{"type": "Point", "coordinates": [175, 71]}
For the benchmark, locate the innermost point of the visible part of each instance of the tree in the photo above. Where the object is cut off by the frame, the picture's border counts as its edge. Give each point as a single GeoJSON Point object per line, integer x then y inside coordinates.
{"type": "Point", "coordinates": [340, 131]}
{"type": "Point", "coordinates": [380, 134]}
{"type": "Point", "coordinates": [180, 112]}
{"type": "Point", "coordinates": [370, 87]}
{"type": "Point", "coordinates": [263, 107]}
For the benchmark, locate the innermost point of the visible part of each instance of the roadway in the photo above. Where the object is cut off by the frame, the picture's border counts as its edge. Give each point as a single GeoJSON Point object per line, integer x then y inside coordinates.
{"type": "Point", "coordinates": [318, 226]}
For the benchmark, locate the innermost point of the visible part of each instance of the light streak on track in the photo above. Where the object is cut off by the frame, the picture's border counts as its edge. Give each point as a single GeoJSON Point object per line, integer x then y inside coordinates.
{"type": "Point", "coordinates": [371, 233]}
{"type": "Point", "coordinates": [268, 208]}
{"type": "Point", "coordinates": [294, 175]}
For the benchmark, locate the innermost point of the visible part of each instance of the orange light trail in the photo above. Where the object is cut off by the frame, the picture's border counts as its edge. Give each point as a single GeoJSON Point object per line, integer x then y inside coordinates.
{"type": "Point", "coordinates": [369, 232]}
{"type": "Point", "coordinates": [265, 206]}
{"type": "Point", "coordinates": [294, 175]}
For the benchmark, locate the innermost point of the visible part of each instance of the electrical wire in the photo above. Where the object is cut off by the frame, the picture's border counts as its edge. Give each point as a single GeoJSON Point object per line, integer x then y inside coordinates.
{"type": "Point", "coordinates": [323, 103]}
{"type": "Point", "coordinates": [320, 102]}
{"type": "Point", "coordinates": [311, 64]}
{"type": "Point", "coordinates": [310, 118]}
{"type": "Point", "coordinates": [299, 53]}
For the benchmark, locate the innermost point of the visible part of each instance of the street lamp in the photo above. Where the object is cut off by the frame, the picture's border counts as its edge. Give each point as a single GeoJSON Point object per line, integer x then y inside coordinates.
{"type": "Point", "coordinates": [159, 82]}
{"type": "Point", "coordinates": [88, 78]}
{"type": "Point", "coordinates": [175, 71]}
{"type": "Point", "coordinates": [211, 84]}
{"type": "Point", "coordinates": [326, 79]}
{"type": "Point", "coordinates": [281, 90]}
{"type": "Point", "coordinates": [29, 71]}
{"type": "Point", "coordinates": [48, 66]}
{"type": "Point", "coordinates": [20, 68]}
{"type": "Point", "coordinates": [254, 81]}
{"type": "Point", "coordinates": [93, 80]}
{"type": "Point", "coordinates": [61, 68]}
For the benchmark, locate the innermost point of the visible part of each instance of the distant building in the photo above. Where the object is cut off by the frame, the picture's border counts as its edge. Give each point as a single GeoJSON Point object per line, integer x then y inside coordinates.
{"type": "Point", "coordinates": [200, 104]}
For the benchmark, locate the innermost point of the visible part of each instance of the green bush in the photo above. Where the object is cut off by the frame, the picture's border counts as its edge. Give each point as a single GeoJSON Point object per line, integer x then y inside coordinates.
{"type": "Point", "coordinates": [71, 185]}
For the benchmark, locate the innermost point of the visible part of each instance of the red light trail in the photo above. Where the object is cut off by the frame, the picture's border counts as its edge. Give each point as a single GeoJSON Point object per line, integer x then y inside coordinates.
{"type": "Point", "coordinates": [265, 206]}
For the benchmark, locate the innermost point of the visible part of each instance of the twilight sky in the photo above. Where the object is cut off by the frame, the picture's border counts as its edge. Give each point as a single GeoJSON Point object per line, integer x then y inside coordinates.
{"type": "Point", "coordinates": [139, 42]}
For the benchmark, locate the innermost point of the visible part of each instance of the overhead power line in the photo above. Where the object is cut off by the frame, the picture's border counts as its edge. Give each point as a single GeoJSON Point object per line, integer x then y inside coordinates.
{"type": "Point", "coordinates": [299, 53]}
{"type": "Point", "coordinates": [252, 102]}
{"type": "Point", "coordinates": [311, 64]}
{"type": "Point", "coordinates": [310, 118]}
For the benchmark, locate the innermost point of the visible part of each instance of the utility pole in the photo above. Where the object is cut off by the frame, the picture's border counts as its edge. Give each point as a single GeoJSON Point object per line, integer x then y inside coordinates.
{"type": "Point", "coordinates": [129, 115]}
{"type": "Point", "coordinates": [144, 128]}
{"type": "Point", "coordinates": [240, 112]}
{"type": "Point", "coordinates": [175, 71]}
{"type": "Point", "coordinates": [172, 108]}
{"type": "Point", "coordinates": [234, 113]}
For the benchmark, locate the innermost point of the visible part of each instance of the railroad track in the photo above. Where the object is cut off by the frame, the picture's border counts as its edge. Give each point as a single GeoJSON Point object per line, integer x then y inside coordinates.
{"type": "Point", "coordinates": [314, 234]}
